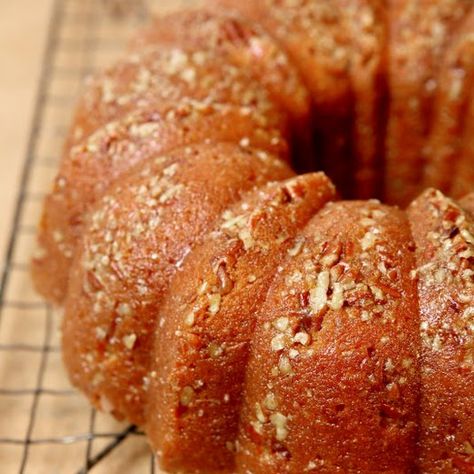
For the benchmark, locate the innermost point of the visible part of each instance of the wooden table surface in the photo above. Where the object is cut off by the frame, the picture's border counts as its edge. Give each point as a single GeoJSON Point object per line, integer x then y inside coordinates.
{"type": "Point", "coordinates": [23, 30]}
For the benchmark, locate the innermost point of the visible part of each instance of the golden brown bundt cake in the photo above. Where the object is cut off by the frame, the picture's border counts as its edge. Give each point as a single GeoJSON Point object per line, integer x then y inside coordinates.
{"type": "Point", "coordinates": [131, 247]}
{"type": "Point", "coordinates": [245, 320]}
{"type": "Point", "coordinates": [207, 323]}
{"type": "Point", "coordinates": [444, 236]}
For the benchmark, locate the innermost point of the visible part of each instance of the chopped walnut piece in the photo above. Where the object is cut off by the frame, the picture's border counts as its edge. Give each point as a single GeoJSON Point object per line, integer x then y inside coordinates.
{"type": "Point", "coordinates": [279, 421]}
{"type": "Point", "coordinates": [270, 401]}
{"type": "Point", "coordinates": [246, 237]}
{"type": "Point", "coordinates": [281, 324]}
{"type": "Point", "coordinates": [187, 396]}
{"type": "Point", "coordinates": [101, 333]}
{"type": "Point", "coordinates": [214, 303]}
{"type": "Point", "coordinates": [295, 250]}
{"type": "Point", "coordinates": [278, 343]}
{"type": "Point", "coordinates": [284, 365]}
{"type": "Point", "coordinates": [244, 142]}
{"type": "Point", "coordinates": [259, 413]}
{"type": "Point", "coordinates": [389, 366]}
{"type": "Point", "coordinates": [318, 295]}
{"type": "Point", "coordinates": [124, 309]}
{"type": "Point", "coordinates": [215, 350]}
{"type": "Point", "coordinates": [337, 300]}
{"type": "Point", "coordinates": [368, 241]}
{"type": "Point", "coordinates": [130, 340]}
{"type": "Point", "coordinates": [189, 319]}
{"type": "Point", "coordinates": [301, 337]}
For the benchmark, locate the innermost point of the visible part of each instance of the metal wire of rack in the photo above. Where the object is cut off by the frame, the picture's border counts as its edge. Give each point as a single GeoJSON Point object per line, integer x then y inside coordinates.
{"type": "Point", "coordinates": [47, 427]}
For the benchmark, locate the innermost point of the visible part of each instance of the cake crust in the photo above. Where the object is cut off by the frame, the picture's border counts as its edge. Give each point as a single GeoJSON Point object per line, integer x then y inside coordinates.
{"type": "Point", "coordinates": [332, 381]}
{"type": "Point", "coordinates": [208, 322]}
{"type": "Point", "coordinates": [444, 234]}
{"type": "Point", "coordinates": [242, 316]}
{"type": "Point", "coordinates": [135, 240]}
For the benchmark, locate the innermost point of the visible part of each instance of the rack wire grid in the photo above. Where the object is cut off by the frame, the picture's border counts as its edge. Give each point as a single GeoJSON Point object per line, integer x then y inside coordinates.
{"type": "Point", "coordinates": [45, 425]}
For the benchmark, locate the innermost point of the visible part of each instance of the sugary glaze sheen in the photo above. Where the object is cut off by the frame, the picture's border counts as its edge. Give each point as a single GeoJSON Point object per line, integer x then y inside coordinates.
{"type": "Point", "coordinates": [132, 247]}
{"type": "Point", "coordinates": [249, 321]}
{"type": "Point", "coordinates": [335, 351]}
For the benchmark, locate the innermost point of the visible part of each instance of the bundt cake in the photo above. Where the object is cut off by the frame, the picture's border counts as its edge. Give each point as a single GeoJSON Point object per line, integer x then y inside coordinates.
{"type": "Point", "coordinates": [246, 317]}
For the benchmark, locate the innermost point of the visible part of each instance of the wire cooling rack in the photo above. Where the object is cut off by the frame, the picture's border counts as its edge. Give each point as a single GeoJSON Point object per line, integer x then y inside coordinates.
{"type": "Point", "coordinates": [45, 425]}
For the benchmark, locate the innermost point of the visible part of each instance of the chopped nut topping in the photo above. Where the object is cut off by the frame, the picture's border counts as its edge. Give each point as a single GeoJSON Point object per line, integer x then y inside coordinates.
{"type": "Point", "coordinates": [188, 75]}
{"type": "Point", "coordinates": [270, 401]}
{"type": "Point", "coordinates": [246, 237]}
{"type": "Point", "coordinates": [337, 299]}
{"type": "Point", "coordinates": [259, 413]}
{"type": "Point", "coordinates": [244, 142]}
{"type": "Point", "coordinates": [129, 340]}
{"type": "Point", "coordinates": [293, 353]}
{"type": "Point", "coordinates": [225, 282]}
{"type": "Point", "coordinates": [189, 319]}
{"type": "Point", "coordinates": [214, 303]}
{"type": "Point", "coordinates": [279, 421]}
{"type": "Point", "coordinates": [215, 350]}
{"type": "Point", "coordinates": [231, 221]}
{"type": "Point", "coordinates": [124, 309]}
{"type": "Point", "coordinates": [436, 344]}
{"type": "Point", "coordinates": [203, 288]}
{"type": "Point", "coordinates": [302, 338]}
{"type": "Point", "coordinates": [58, 236]}
{"type": "Point", "coordinates": [377, 292]}
{"type": "Point", "coordinates": [281, 324]}
{"type": "Point", "coordinates": [318, 296]}
{"type": "Point", "coordinates": [295, 250]}
{"type": "Point", "coordinates": [468, 236]}
{"type": "Point", "coordinates": [278, 343]}
{"type": "Point", "coordinates": [368, 241]}
{"type": "Point", "coordinates": [389, 366]}
{"type": "Point", "coordinates": [171, 170]}
{"type": "Point", "coordinates": [187, 396]}
{"type": "Point", "coordinates": [144, 130]}
{"type": "Point", "coordinates": [284, 365]}
{"type": "Point", "coordinates": [100, 333]}
{"type": "Point", "coordinates": [98, 379]}
{"type": "Point", "coordinates": [40, 253]}
{"type": "Point", "coordinates": [257, 426]}
{"type": "Point", "coordinates": [171, 192]}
